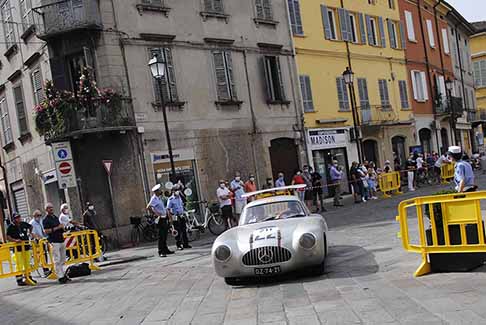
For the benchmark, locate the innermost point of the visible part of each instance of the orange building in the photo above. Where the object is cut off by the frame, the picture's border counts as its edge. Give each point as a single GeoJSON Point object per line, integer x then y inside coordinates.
{"type": "Point", "coordinates": [429, 65]}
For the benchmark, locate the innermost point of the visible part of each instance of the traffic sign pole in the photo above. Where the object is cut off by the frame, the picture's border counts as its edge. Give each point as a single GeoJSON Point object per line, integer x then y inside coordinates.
{"type": "Point", "coordinates": [110, 187]}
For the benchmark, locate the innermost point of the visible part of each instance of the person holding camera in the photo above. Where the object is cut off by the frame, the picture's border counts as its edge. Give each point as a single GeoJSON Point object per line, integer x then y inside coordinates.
{"type": "Point", "coordinates": [175, 209]}
{"type": "Point", "coordinates": [157, 207]}
{"type": "Point", "coordinates": [336, 177]}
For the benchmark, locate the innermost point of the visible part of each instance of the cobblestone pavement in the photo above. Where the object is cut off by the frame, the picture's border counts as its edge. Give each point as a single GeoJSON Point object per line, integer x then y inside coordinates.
{"type": "Point", "coordinates": [368, 281]}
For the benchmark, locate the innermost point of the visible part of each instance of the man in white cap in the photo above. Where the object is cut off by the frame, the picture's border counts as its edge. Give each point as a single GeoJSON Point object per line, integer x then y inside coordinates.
{"type": "Point", "coordinates": [158, 208]}
{"type": "Point", "coordinates": [463, 172]}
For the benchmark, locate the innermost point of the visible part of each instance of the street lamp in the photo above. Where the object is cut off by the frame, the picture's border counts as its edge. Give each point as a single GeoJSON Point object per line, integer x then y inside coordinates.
{"type": "Point", "coordinates": [449, 83]}
{"type": "Point", "coordinates": [348, 77]}
{"type": "Point", "coordinates": [158, 70]}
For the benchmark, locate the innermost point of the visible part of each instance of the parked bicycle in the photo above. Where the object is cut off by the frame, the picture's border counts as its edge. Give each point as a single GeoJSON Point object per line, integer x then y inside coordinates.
{"type": "Point", "coordinates": [147, 231]}
{"type": "Point", "coordinates": [427, 176]}
{"type": "Point", "coordinates": [213, 220]}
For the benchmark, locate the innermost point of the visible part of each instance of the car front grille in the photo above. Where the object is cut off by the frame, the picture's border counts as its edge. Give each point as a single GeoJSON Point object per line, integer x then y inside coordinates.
{"type": "Point", "coordinates": [266, 255]}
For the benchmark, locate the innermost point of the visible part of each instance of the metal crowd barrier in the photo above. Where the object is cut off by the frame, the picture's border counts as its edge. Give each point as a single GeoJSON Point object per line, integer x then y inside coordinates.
{"type": "Point", "coordinates": [460, 212]}
{"type": "Point", "coordinates": [18, 259]}
{"type": "Point", "coordinates": [81, 246]}
{"type": "Point", "coordinates": [446, 173]}
{"type": "Point", "coordinates": [389, 182]}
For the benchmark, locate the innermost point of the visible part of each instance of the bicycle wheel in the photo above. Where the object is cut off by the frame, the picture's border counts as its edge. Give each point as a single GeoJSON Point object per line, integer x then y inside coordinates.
{"type": "Point", "coordinates": [150, 233]}
{"type": "Point", "coordinates": [217, 225]}
{"type": "Point", "coordinates": [135, 236]}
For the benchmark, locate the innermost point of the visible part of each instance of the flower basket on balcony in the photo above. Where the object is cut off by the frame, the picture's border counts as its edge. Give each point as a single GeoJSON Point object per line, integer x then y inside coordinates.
{"type": "Point", "coordinates": [64, 112]}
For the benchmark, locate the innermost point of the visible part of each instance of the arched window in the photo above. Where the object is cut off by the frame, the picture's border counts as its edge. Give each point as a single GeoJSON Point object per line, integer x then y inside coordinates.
{"type": "Point", "coordinates": [425, 136]}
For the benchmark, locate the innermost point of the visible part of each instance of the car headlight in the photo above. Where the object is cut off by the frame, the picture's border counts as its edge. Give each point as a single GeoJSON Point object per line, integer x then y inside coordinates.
{"type": "Point", "coordinates": [307, 241]}
{"type": "Point", "coordinates": [222, 253]}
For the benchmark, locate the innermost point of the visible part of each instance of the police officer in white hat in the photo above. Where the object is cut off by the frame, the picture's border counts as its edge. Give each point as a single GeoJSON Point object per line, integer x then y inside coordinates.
{"type": "Point", "coordinates": [463, 173]}
{"type": "Point", "coordinates": [156, 205]}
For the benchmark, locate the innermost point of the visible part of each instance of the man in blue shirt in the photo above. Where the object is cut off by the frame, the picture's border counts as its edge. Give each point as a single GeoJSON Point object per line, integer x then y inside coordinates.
{"type": "Point", "coordinates": [175, 208]}
{"type": "Point", "coordinates": [157, 207]}
{"type": "Point", "coordinates": [463, 172]}
{"type": "Point", "coordinates": [336, 174]}
{"type": "Point", "coordinates": [280, 182]}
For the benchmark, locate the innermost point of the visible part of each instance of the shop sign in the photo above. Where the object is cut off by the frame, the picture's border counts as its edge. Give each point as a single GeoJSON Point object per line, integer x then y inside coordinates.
{"type": "Point", "coordinates": [320, 139]}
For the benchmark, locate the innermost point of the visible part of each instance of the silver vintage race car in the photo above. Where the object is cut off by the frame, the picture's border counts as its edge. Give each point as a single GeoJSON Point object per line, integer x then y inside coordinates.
{"type": "Point", "coordinates": [276, 234]}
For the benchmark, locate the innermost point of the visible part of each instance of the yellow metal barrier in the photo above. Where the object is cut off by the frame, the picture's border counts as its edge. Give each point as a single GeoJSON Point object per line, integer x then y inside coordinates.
{"type": "Point", "coordinates": [16, 260]}
{"type": "Point", "coordinates": [81, 246]}
{"type": "Point", "coordinates": [459, 210]}
{"type": "Point", "coordinates": [446, 173]}
{"type": "Point", "coordinates": [389, 182]}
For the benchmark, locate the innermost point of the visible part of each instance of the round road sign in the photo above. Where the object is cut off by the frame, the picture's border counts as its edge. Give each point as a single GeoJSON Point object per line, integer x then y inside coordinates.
{"type": "Point", "coordinates": [65, 168]}
{"type": "Point", "coordinates": [62, 153]}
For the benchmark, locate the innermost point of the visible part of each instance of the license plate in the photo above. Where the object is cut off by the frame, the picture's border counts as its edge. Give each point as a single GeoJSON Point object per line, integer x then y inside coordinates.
{"type": "Point", "coordinates": [267, 270]}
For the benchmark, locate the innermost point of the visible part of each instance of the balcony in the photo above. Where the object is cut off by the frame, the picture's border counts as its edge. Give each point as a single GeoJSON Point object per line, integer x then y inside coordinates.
{"type": "Point", "coordinates": [442, 106]}
{"type": "Point", "coordinates": [375, 115]}
{"type": "Point", "coordinates": [76, 122]}
{"type": "Point", "coordinates": [68, 16]}
{"type": "Point", "coordinates": [476, 117]}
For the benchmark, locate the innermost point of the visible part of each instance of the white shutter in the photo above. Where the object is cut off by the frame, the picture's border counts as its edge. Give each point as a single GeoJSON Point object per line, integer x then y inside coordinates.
{"type": "Point", "coordinates": [410, 28]}
{"type": "Point", "coordinates": [424, 85]}
{"type": "Point", "coordinates": [430, 31]}
{"type": "Point", "coordinates": [442, 87]}
{"type": "Point", "coordinates": [414, 85]}
{"type": "Point", "coordinates": [445, 40]}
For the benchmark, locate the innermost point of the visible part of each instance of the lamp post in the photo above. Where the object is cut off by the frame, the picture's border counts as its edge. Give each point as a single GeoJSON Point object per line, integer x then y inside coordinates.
{"type": "Point", "coordinates": [157, 68]}
{"type": "Point", "coordinates": [348, 76]}
{"type": "Point", "coordinates": [449, 85]}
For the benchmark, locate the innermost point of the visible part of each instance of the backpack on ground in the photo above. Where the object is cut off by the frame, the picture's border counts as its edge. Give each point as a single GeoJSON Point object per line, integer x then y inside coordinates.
{"type": "Point", "coordinates": [78, 270]}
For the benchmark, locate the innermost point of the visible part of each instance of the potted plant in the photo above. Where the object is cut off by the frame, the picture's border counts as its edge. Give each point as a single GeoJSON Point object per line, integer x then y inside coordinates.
{"type": "Point", "coordinates": [452, 262]}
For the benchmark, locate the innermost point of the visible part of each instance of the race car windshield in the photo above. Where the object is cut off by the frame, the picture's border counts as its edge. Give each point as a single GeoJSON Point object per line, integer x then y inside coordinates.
{"type": "Point", "coordinates": [272, 211]}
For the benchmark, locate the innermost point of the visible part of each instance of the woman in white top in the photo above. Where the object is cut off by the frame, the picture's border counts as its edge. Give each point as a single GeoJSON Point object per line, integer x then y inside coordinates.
{"type": "Point", "coordinates": [65, 218]}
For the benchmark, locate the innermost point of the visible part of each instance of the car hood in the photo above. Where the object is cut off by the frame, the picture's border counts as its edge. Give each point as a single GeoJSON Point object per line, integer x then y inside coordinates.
{"type": "Point", "coordinates": [283, 232]}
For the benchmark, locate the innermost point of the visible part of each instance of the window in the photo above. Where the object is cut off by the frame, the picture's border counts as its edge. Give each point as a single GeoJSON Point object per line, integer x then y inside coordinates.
{"type": "Point", "coordinates": [480, 73]}
{"type": "Point", "coordinates": [402, 85]}
{"type": "Point", "coordinates": [329, 23]}
{"type": "Point", "coordinates": [430, 32]}
{"type": "Point", "coordinates": [169, 86]}
{"type": "Point", "coordinates": [419, 85]}
{"type": "Point", "coordinates": [295, 18]}
{"type": "Point", "coordinates": [20, 107]}
{"type": "Point", "coordinates": [264, 9]}
{"type": "Point", "coordinates": [332, 24]}
{"type": "Point", "coordinates": [441, 89]}
{"type": "Point", "coordinates": [391, 4]}
{"type": "Point", "coordinates": [37, 86]}
{"type": "Point", "coordinates": [6, 129]}
{"type": "Point", "coordinates": [273, 78]}
{"type": "Point", "coordinates": [445, 40]}
{"type": "Point", "coordinates": [306, 89]}
{"type": "Point", "coordinates": [27, 14]}
{"type": "Point", "coordinates": [384, 96]}
{"type": "Point", "coordinates": [225, 85]}
{"type": "Point", "coordinates": [214, 6]}
{"type": "Point", "coordinates": [364, 100]}
{"type": "Point", "coordinates": [410, 28]}
{"type": "Point", "coordinates": [353, 33]}
{"type": "Point", "coordinates": [371, 28]}
{"type": "Point", "coordinates": [8, 24]}
{"type": "Point", "coordinates": [392, 33]}
{"type": "Point", "coordinates": [342, 93]}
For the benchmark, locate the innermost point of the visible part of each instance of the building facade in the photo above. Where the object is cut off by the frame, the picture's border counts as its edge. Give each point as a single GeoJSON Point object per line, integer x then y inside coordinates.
{"type": "Point", "coordinates": [230, 90]}
{"type": "Point", "coordinates": [460, 32]}
{"type": "Point", "coordinates": [478, 56]}
{"type": "Point", "coordinates": [367, 37]}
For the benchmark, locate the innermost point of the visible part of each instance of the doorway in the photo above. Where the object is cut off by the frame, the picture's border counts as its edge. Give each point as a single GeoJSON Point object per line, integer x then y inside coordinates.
{"type": "Point", "coordinates": [398, 145]}
{"type": "Point", "coordinates": [425, 136]}
{"type": "Point", "coordinates": [370, 148]}
{"type": "Point", "coordinates": [322, 164]}
{"type": "Point", "coordinates": [284, 158]}
{"type": "Point", "coordinates": [445, 140]}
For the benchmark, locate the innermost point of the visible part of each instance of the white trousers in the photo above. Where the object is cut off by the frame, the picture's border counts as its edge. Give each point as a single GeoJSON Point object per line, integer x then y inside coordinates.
{"type": "Point", "coordinates": [59, 257]}
{"type": "Point", "coordinates": [410, 181]}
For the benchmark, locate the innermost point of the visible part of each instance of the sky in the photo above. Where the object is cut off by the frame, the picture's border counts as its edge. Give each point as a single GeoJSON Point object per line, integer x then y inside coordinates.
{"type": "Point", "coordinates": [472, 10]}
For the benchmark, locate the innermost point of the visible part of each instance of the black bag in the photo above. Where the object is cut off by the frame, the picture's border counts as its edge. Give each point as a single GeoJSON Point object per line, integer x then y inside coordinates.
{"type": "Point", "coordinates": [78, 270]}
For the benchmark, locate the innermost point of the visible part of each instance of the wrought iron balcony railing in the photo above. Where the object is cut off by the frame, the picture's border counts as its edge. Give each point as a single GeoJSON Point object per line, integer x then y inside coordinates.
{"type": "Point", "coordinates": [67, 16]}
{"type": "Point", "coordinates": [377, 115]}
{"type": "Point", "coordinates": [101, 118]}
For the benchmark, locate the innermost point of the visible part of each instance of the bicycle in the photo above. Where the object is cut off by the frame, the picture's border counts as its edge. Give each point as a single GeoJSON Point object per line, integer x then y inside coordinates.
{"type": "Point", "coordinates": [148, 231]}
{"type": "Point", "coordinates": [427, 176]}
{"type": "Point", "coordinates": [213, 220]}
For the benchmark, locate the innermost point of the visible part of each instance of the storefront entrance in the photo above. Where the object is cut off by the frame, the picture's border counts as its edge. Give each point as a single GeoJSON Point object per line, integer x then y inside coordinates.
{"type": "Point", "coordinates": [322, 164]}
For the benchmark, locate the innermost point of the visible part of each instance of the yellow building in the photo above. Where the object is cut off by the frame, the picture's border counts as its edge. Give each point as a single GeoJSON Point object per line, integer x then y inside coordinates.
{"type": "Point", "coordinates": [478, 54]}
{"type": "Point", "coordinates": [367, 36]}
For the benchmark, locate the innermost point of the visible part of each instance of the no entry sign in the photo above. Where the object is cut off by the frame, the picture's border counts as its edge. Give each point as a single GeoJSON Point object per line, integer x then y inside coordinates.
{"type": "Point", "coordinates": [65, 168]}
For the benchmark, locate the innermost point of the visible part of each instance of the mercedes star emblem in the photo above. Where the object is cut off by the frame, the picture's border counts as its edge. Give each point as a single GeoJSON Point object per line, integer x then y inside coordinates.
{"type": "Point", "coordinates": [265, 255]}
